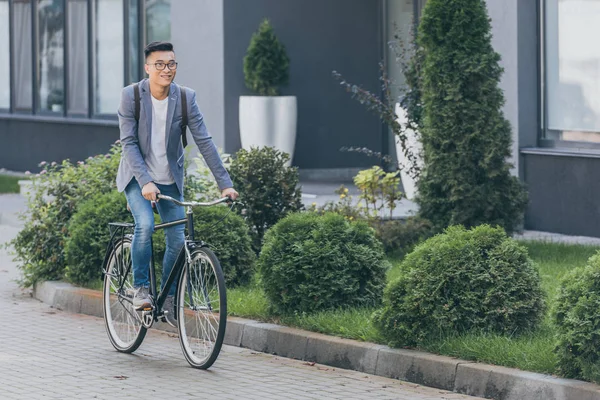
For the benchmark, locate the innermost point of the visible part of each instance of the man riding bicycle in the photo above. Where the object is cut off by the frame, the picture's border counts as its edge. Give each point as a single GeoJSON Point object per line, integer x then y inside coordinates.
{"type": "Point", "coordinates": [150, 122]}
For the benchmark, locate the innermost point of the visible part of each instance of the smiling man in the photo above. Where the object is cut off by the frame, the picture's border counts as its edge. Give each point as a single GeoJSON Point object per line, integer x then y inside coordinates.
{"type": "Point", "coordinates": [152, 162]}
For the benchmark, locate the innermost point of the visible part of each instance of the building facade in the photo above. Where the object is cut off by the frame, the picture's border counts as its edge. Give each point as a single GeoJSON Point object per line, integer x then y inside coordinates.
{"type": "Point", "coordinates": [63, 64]}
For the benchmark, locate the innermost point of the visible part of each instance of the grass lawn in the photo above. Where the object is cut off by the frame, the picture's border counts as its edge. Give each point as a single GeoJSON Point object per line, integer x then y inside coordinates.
{"type": "Point", "coordinates": [531, 352]}
{"type": "Point", "coordinates": [9, 184]}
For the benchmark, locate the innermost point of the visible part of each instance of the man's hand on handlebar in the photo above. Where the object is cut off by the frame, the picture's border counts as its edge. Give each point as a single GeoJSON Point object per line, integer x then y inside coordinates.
{"type": "Point", "coordinates": [149, 191]}
{"type": "Point", "coordinates": [230, 192]}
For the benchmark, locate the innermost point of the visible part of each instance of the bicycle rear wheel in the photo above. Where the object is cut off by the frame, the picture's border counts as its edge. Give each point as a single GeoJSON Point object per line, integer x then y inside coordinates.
{"type": "Point", "coordinates": [201, 308]}
{"type": "Point", "coordinates": [123, 323]}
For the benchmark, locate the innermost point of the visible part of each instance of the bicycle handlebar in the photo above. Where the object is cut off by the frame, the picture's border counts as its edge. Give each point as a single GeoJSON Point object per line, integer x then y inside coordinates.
{"type": "Point", "coordinates": [193, 203]}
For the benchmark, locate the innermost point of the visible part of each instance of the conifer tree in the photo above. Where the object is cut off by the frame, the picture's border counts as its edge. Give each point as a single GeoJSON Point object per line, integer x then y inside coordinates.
{"type": "Point", "coordinates": [266, 65]}
{"type": "Point", "coordinates": [466, 139]}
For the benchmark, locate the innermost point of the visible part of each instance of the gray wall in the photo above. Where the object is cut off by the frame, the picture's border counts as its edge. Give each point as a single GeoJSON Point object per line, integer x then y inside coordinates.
{"type": "Point", "coordinates": [504, 15]}
{"type": "Point", "coordinates": [28, 141]}
{"type": "Point", "coordinates": [197, 34]}
{"type": "Point", "coordinates": [320, 36]}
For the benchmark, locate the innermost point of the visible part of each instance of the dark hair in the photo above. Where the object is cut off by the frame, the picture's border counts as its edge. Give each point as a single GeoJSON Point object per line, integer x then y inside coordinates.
{"type": "Point", "coordinates": [157, 46]}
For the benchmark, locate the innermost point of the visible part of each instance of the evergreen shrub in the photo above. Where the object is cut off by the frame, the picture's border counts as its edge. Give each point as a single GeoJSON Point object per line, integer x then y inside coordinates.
{"type": "Point", "coordinates": [266, 65]}
{"type": "Point", "coordinates": [461, 281]}
{"type": "Point", "coordinates": [466, 179]}
{"type": "Point", "coordinates": [399, 237]}
{"type": "Point", "coordinates": [577, 319]}
{"type": "Point", "coordinates": [312, 262]}
{"type": "Point", "coordinates": [56, 193]}
{"type": "Point", "coordinates": [228, 236]}
{"type": "Point", "coordinates": [89, 235]}
{"type": "Point", "coordinates": [268, 188]}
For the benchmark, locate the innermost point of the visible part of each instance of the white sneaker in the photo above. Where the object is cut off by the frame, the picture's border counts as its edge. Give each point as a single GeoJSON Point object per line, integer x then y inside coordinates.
{"type": "Point", "coordinates": [141, 298]}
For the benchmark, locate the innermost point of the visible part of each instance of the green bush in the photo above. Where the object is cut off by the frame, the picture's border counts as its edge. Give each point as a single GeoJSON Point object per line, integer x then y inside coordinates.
{"type": "Point", "coordinates": [466, 139]}
{"type": "Point", "coordinates": [461, 281]}
{"type": "Point", "coordinates": [399, 237]}
{"type": "Point", "coordinates": [577, 319]}
{"type": "Point", "coordinates": [267, 187]}
{"type": "Point", "coordinates": [228, 236]}
{"type": "Point", "coordinates": [89, 235]}
{"type": "Point", "coordinates": [56, 193]}
{"type": "Point", "coordinates": [266, 65]}
{"type": "Point", "coordinates": [311, 262]}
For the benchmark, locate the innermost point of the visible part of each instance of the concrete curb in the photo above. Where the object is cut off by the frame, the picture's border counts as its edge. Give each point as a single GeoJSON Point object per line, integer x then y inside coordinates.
{"type": "Point", "coordinates": [426, 369]}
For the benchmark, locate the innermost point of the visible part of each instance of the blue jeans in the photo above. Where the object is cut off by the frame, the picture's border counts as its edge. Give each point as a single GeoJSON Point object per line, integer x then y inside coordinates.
{"type": "Point", "coordinates": [141, 250]}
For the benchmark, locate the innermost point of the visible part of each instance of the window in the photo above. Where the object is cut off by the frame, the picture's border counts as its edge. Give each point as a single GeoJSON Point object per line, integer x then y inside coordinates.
{"type": "Point", "coordinates": [134, 43]}
{"type": "Point", "coordinates": [399, 21]}
{"type": "Point", "coordinates": [109, 56]}
{"type": "Point", "coordinates": [78, 57]}
{"type": "Point", "coordinates": [22, 48]}
{"type": "Point", "coordinates": [4, 56]}
{"type": "Point", "coordinates": [50, 47]}
{"type": "Point", "coordinates": [572, 70]}
{"type": "Point", "coordinates": [158, 20]}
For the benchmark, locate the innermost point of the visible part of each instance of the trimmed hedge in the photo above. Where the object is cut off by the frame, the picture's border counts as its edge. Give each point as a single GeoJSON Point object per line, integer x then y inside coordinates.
{"type": "Point", "coordinates": [462, 281]}
{"type": "Point", "coordinates": [311, 262]}
{"type": "Point", "coordinates": [577, 319]}
{"type": "Point", "coordinates": [89, 235]}
{"type": "Point", "coordinates": [228, 236]}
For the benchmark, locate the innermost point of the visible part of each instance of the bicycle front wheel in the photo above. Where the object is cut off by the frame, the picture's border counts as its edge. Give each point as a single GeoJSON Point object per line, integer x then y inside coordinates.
{"type": "Point", "coordinates": [123, 323]}
{"type": "Point", "coordinates": [201, 308]}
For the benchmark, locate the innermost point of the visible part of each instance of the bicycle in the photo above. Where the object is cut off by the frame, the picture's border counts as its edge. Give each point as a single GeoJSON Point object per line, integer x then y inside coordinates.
{"type": "Point", "coordinates": [200, 299]}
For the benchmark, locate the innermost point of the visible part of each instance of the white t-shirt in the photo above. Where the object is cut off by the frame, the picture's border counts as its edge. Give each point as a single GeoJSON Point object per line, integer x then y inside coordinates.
{"type": "Point", "coordinates": [157, 162]}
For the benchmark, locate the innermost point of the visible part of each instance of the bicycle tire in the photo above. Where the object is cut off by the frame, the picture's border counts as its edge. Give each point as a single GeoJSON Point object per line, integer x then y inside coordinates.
{"type": "Point", "coordinates": [201, 308]}
{"type": "Point", "coordinates": [123, 324]}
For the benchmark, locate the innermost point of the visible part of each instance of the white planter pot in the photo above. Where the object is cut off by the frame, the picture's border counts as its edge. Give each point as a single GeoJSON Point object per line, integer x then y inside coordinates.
{"type": "Point", "coordinates": [269, 121]}
{"type": "Point", "coordinates": [412, 142]}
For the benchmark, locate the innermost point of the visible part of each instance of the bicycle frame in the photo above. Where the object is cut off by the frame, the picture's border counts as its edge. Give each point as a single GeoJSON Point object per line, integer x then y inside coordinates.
{"type": "Point", "coordinates": [189, 244]}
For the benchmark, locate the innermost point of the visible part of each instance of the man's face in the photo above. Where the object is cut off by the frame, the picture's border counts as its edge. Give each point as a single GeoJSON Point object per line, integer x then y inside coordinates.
{"type": "Point", "coordinates": [157, 60]}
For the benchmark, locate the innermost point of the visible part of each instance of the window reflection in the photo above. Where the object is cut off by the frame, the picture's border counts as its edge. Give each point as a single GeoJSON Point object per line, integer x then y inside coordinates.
{"type": "Point", "coordinates": [158, 20]}
{"type": "Point", "coordinates": [4, 56]}
{"type": "Point", "coordinates": [51, 55]}
{"type": "Point", "coordinates": [109, 58]}
{"type": "Point", "coordinates": [22, 54]}
{"type": "Point", "coordinates": [573, 70]}
{"type": "Point", "coordinates": [78, 57]}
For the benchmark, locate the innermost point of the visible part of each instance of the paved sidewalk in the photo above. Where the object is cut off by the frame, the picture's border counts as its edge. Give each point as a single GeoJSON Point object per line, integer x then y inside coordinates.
{"type": "Point", "coordinates": [47, 353]}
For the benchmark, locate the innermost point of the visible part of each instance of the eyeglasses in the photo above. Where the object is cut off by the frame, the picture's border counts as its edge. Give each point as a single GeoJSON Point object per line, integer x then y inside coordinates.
{"type": "Point", "coordinates": [161, 65]}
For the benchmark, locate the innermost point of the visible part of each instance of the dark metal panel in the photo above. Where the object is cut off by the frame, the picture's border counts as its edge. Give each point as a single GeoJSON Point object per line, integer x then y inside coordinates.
{"type": "Point", "coordinates": [563, 194]}
{"type": "Point", "coordinates": [28, 141]}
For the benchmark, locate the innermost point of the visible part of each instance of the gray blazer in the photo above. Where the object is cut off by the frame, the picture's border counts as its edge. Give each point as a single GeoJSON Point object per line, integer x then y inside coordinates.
{"type": "Point", "coordinates": [135, 138]}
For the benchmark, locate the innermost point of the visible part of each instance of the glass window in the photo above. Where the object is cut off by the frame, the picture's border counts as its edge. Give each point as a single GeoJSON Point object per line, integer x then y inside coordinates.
{"type": "Point", "coordinates": [50, 46]}
{"type": "Point", "coordinates": [4, 56]}
{"type": "Point", "coordinates": [22, 61]}
{"type": "Point", "coordinates": [572, 61]}
{"type": "Point", "coordinates": [109, 57]}
{"type": "Point", "coordinates": [78, 57]}
{"type": "Point", "coordinates": [158, 20]}
{"type": "Point", "coordinates": [134, 40]}
{"type": "Point", "coordinates": [399, 21]}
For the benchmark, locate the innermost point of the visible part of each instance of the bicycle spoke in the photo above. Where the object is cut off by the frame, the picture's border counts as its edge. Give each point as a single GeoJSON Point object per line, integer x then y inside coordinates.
{"type": "Point", "coordinates": [202, 322]}
{"type": "Point", "coordinates": [123, 323]}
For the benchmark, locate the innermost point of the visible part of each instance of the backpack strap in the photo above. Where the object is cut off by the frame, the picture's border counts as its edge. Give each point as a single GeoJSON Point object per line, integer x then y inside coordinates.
{"type": "Point", "coordinates": [184, 116]}
{"type": "Point", "coordinates": [136, 97]}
